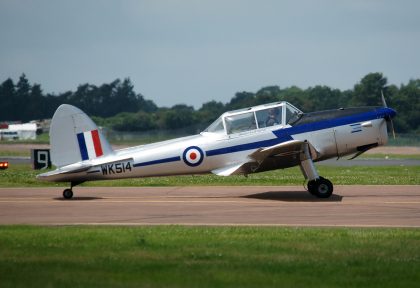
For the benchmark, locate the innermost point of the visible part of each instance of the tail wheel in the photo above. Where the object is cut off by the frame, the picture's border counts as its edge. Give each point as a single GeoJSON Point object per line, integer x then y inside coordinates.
{"type": "Point", "coordinates": [67, 194]}
{"type": "Point", "coordinates": [321, 188]}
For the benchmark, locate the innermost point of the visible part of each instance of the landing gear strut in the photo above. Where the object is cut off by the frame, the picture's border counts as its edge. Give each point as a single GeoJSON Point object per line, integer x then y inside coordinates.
{"type": "Point", "coordinates": [317, 185]}
{"type": "Point", "coordinates": [68, 193]}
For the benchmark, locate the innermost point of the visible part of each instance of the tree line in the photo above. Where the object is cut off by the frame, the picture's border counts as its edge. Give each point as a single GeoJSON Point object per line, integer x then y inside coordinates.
{"type": "Point", "coordinates": [116, 105]}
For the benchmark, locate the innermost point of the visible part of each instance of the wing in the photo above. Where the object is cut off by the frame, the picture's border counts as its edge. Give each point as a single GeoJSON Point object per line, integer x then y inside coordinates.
{"type": "Point", "coordinates": [283, 155]}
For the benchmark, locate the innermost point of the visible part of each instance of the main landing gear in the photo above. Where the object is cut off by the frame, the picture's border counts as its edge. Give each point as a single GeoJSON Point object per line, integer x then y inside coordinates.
{"type": "Point", "coordinates": [317, 185]}
{"type": "Point", "coordinates": [68, 193]}
{"type": "Point", "coordinates": [321, 187]}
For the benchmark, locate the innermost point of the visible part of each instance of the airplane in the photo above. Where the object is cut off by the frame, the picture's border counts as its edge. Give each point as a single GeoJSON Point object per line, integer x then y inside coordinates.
{"type": "Point", "coordinates": [250, 140]}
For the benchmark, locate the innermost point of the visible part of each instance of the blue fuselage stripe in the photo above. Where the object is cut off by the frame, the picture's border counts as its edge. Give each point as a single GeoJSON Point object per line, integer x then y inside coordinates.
{"type": "Point", "coordinates": [284, 134]}
{"type": "Point", "coordinates": [82, 146]}
{"type": "Point", "coordinates": [159, 161]}
{"type": "Point", "coordinates": [310, 127]}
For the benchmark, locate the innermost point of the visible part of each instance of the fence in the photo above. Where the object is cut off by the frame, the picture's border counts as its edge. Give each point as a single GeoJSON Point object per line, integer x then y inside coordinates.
{"type": "Point", "coordinates": [404, 140]}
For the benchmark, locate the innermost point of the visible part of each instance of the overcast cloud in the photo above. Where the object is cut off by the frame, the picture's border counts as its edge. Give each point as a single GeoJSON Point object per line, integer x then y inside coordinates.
{"type": "Point", "coordinates": [195, 51]}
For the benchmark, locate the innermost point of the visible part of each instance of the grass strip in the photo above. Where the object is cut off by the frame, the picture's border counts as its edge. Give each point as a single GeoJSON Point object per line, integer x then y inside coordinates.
{"type": "Point", "coordinates": [22, 175]}
{"type": "Point", "coordinates": [390, 156]}
{"type": "Point", "coordinates": [6, 153]}
{"type": "Point", "coordinates": [179, 256]}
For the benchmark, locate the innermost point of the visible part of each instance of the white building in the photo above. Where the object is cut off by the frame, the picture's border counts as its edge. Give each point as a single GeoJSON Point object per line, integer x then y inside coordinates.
{"type": "Point", "coordinates": [26, 131]}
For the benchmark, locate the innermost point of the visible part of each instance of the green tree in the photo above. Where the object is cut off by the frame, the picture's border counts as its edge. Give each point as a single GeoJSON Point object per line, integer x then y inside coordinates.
{"type": "Point", "coordinates": [267, 94]}
{"type": "Point", "coordinates": [80, 98]}
{"type": "Point", "coordinates": [407, 103]}
{"type": "Point", "coordinates": [368, 91]}
{"type": "Point", "coordinates": [295, 96]}
{"type": "Point", "coordinates": [125, 99]}
{"type": "Point", "coordinates": [36, 104]}
{"type": "Point", "coordinates": [7, 97]}
{"type": "Point", "coordinates": [322, 98]}
{"type": "Point", "coordinates": [241, 100]}
{"type": "Point", "coordinates": [22, 99]}
{"type": "Point", "coordinates": [105, 100]}
{"type": "Point", "coordinates": [179, 116]}
{"type": "Point", "coordinates": [210, 111]}
{"type": "Point", "coordinates": [126, 121]}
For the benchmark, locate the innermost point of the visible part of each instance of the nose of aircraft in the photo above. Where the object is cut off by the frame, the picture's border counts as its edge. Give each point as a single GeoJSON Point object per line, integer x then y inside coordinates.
{"type": "Point", "coordinates": [387, 113]}
{"type": "Point", "coordinates": [390, 113]}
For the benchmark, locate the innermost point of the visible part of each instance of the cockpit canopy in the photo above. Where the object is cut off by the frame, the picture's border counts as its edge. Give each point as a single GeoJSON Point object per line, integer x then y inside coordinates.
{"type": "Point", "coordinates": [257, 117]}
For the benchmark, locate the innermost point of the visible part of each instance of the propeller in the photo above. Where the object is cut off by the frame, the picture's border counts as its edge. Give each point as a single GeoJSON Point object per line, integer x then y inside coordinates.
{"type": "Point", "coordinates": [389, 120]}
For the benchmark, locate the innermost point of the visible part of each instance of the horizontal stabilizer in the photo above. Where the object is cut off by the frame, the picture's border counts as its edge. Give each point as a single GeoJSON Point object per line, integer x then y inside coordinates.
{"type": "Point", "coordinates": [80, 167]}
{"type": "Point", "coordinates": [70, 169]}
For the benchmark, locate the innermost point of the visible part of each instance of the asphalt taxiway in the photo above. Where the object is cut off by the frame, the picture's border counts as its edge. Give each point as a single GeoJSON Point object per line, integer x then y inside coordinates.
{"type": "Point", "coordinates": [353, 206]}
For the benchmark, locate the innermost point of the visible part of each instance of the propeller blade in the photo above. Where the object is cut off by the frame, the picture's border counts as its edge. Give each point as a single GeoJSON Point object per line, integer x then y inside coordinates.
{"type": "Point", "coordinates": [388, 120]}
{"type": "Point", "coordinates": [383, 99]}
{"type": "Point", "coordinates": [392, 127]}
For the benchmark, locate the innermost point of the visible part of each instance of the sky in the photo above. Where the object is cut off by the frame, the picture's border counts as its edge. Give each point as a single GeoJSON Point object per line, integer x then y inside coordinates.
{"type": "Point", "coordinates": [192, 52]}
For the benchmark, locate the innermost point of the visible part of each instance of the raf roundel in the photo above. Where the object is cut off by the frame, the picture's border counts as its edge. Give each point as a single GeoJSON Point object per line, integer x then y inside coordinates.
{"type": "Point", "coordinates": [193, 156]}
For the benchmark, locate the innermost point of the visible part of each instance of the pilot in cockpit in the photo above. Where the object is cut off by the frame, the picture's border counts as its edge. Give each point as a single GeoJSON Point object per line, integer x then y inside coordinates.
{"type": "Point", "coordinates": [272, 118]}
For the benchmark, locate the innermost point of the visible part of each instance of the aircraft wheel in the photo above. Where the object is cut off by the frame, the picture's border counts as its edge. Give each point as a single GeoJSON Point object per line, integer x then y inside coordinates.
{"type": "Point", "coordinates": [67, 194]}
{"type": "Point", "coordinates": [311, 185]}
{"type": "Point", "coordinates": [321, 188]}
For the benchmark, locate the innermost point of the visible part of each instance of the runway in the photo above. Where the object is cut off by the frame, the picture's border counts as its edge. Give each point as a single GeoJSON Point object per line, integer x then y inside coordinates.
{"type": "Point", "coordinates": [350, 206]}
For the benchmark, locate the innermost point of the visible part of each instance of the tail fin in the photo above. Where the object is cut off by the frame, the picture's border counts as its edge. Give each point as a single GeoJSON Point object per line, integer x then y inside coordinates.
{"type": "Point", "coordinates": [74, 137]}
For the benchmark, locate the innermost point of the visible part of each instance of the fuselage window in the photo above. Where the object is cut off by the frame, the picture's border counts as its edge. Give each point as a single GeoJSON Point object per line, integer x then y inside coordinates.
{"type": "Point", "coordinates": [240, 123]}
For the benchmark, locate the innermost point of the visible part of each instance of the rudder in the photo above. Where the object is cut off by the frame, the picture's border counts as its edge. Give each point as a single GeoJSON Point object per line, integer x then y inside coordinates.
{"type": "Point", "coordinates": [74, 137]}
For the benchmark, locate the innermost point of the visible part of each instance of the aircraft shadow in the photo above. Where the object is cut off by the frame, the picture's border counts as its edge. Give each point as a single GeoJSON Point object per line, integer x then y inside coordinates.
{"type": "Point", "coordinates": [292, 196]}
{"type": "Point", "coordinates": [78, 198]}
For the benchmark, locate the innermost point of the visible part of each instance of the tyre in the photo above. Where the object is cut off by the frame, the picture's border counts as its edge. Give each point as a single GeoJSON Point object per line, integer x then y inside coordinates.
{"type": "Point", "coordinates": [321, 188]}
{"type": "Point", "coordinates": [311, 185]}
{"type": "Point", "coordinates": [67, 194]}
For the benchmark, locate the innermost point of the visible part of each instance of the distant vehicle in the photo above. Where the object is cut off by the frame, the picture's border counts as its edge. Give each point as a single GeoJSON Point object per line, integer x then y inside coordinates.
{"type": "Point", "coordinates": [4, 165]}
{"type": "Point", "coordinates": [250, 140]}
{"type": "Point", "coordinates": [9, 135]}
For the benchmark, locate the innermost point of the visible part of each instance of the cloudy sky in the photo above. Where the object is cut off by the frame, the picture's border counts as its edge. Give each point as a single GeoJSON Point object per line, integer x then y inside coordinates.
{"type": "Point", "coordinates": [191, 52]}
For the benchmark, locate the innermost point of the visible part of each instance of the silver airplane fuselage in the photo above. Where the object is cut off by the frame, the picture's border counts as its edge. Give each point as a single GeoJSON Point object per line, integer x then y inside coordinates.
{"type": "Point", "coordinates": [331, 134]}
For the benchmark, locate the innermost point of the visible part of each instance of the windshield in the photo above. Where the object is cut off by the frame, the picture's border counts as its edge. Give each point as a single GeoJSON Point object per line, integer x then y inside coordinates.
{"type": "Point", "coordinates": [216, 126]}
{"type": "Point", "coordinates": [292, 114]}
